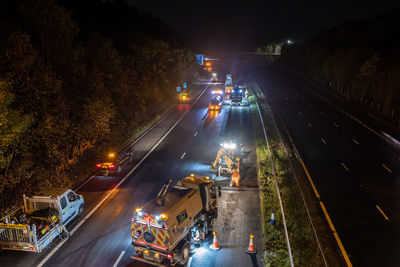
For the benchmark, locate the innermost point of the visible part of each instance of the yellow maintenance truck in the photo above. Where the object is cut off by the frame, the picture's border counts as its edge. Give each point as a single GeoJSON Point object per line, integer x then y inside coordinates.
{"type": "Point", "coordinates": [164, 229]}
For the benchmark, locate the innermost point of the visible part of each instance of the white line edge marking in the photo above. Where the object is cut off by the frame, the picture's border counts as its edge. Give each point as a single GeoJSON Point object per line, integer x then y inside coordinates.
{"type": "Point", "coordinates": [183, 155]}
{"type": "Point", "coordinates": [344, 166]}
{"type": "Point", "coordinates": [323, 141]}
{"type": "Point", "coordinates": [387, 168]}
{"type": "Point", "coordinates": [118, 185]}
{"type": "Point", "coordinates": [119, 258]}
{"type": "Point", "coordinates": [195, 134]}
{"type": "Point", "coordinates": [355, 141]}
{"type": "Point", "coordinates": [381, 211]}
{"type": "Point", "coordinates": [133, 143]}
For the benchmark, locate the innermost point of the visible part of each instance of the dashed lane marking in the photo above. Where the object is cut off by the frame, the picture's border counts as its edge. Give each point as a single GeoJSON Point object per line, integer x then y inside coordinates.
{"type": "Point", "coordinates": [119, 258]}
{"type": "Point", "coordinates": [300, 113]}
{"type": "Point", "coordinates": [381, 211]}
{"type": "Point", "coordinates": [118, 185]}
{"type": "Point", "coordinates": [355, 141]}
{"type": "Point", "coordinates": [344, 166]}
{"type": "Point", "coordinates": [387, 168]}
{"type": "Point", "coordinates": [195, 134]}
{"type": "Point", "coordinates": [321, 113]}
{"type": "Point", "coordinates": [309, 124]}
{"type": "Point", "coordinates": [183, 155]}
{"type": "Point", "coordinates": [323, 141]}
{"type": "Point", "coordinates": [337, 126]}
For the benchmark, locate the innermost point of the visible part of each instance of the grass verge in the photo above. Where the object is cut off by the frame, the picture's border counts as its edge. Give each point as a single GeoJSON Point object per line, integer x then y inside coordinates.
{"type": "Point", "coordinates": [302, 240]}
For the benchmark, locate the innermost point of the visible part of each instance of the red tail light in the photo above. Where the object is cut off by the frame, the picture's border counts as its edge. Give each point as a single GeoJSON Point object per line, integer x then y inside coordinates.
{"type": "Point", "coordinates": [111, 166]}
{"type": "Point", "coordinates": [170, 256]}
{"type": "Point", "coordinates": [98, 165]}
{"type": "Point", "coordinates": [31, 248]}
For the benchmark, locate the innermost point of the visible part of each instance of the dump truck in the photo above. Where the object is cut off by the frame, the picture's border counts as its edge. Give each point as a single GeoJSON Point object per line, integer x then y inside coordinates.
{"type": "Point", "coordinates": [236, 96]}
{"type": "Point", "coordinates": [41, 220]}
{"type": "Point", "coordinates": [164, 229]}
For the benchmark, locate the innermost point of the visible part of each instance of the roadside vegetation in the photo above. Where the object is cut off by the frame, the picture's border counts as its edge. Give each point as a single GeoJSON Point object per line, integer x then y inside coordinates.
{"type": "Point", "coordinates": [304, 246]}
{"type": "Point", "coordinates": [78, 78]}
{"type": "Point", "coordinates": [357, 60]}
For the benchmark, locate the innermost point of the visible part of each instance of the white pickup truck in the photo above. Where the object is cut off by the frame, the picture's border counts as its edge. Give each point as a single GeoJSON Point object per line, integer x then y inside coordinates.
{"type": "Point", "coordinates": [41, 220]}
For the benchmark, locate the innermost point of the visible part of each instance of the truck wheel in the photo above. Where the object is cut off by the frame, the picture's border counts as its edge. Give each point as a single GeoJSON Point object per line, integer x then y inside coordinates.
{"type": "Point", "coordinates": [184, 253]}
{"type": "Point", "coordinates": [81, 210]}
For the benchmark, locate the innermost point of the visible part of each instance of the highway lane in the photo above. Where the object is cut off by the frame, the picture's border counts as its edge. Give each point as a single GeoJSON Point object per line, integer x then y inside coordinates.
{"type": "Point", "coordinates": [355, 171]}
{"type": "Point", "coordinates": [97, 187]}
{"type": "Point", "coordinates": [105, 238]}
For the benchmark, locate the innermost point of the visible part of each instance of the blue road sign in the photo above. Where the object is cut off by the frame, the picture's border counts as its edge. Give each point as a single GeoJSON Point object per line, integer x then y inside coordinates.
{"type": "Point", "coordinates": [200, 58]}
{"type": "Point", "coordinates": [178, 89]}
{"type": "Point", "coordinates": [184, 85]}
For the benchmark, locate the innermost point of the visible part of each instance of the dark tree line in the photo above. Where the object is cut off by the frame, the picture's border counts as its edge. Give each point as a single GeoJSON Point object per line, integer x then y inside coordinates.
{"type": "Point", "coordinates": [360, 60]}
{"type": "Point", "coordinates": [76, 79]}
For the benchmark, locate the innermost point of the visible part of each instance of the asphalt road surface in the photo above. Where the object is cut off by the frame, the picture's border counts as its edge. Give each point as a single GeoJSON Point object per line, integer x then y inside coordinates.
{"type": "Point", "coordinates": [356, 171]}
{"type": "Point", "coordinates": [103, 237]}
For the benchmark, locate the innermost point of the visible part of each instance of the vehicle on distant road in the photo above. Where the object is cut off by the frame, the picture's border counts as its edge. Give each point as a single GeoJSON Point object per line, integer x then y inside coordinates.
{"type": "Point", "coordinates": [41, 220]}
{"type": "Point", "coordinates": [215, 103]}
{"type": "Point", "coordinates": [184, 98]}
{"type": "Point", "coordinates": [164, 229]}
{"type": "Point", "coordinates": [114, 162]}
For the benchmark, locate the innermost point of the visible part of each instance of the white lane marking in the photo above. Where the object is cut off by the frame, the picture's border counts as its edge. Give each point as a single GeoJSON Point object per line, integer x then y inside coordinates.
{"type": "Point", "coordinates": [355, 141]}
{"type": "Point", "coordinates": [118, 185]}
{"type": "Point", "coordinates": [190, 261]}
{"type": "Point", "coordinates": [195, 134]}
{"type": "Point", "coordinates": [381, 211]}
{"type": "Point", "coordinates": [337, 126]}
{"type": "Point", "coordinates": [119, 258]}
{"type": "Point", "coordinates": [321, 113]}
{"type": "Point", "coordinates": [309, 124]}
{"type": "Point", "coordinates": [134, 142]}
{"type": "Point", "coordinates": [183, 155]}
{"type": "Point", "coordinates": [344, 166]}
{"type": "Point", "coordinates": [300, 113]}
{"type": "Point", "coordinates": [386, 167]}
{"type": "Point", "coordinates": [323, 141]}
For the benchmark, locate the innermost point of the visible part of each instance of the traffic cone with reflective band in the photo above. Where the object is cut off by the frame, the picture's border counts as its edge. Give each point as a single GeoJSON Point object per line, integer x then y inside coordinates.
{"type": "Point", "coordinates": [215, 245]}
{"type": "Point", "coordinates": [251, 249]}
{"type": "Point", "coordinates": [272, 221]}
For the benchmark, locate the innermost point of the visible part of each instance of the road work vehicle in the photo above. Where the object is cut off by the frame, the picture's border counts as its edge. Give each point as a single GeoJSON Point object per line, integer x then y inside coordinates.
{"type": "Point", "coordinates": [41, 220]}
{"type": "Point", "coordinates": [236, 96]}
{"type": "Point", "coordinates": [228, 84]}
{"type": "Point", "coordinates": [227, 161]}
{"type": "Point", "coordinates": [164, 229]}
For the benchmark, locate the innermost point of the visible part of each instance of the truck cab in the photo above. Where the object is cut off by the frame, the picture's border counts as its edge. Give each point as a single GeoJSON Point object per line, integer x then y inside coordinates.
{"type": "Point", "coordinates": [41, 220]}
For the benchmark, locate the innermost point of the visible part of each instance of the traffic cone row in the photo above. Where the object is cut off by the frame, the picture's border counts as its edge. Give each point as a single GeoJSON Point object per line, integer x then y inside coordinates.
{"type": "Point", "coordinates": [272, 221]}
{"type": "Point", "coordinates": [215, 245]}
{"type": "Point", "coordinates": [251, 249]}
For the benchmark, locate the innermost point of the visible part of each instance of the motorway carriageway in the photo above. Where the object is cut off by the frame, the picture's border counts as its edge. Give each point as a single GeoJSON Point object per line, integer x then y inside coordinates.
{"type": "Point", "coordinates": [103, 237]}
{"type": "Point", "coordinates": [355, 171]}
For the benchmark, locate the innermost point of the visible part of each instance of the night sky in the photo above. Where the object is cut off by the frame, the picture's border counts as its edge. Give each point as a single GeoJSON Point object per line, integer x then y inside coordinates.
{"type": "Point", "coordinates": [244, 25]}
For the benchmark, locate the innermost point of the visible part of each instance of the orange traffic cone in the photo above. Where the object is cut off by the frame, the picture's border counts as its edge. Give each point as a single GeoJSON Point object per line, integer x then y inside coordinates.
{"type": "Point", "coordinates": [215, 245]}
{"type": "Point", "coordinates": [251, 249]}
